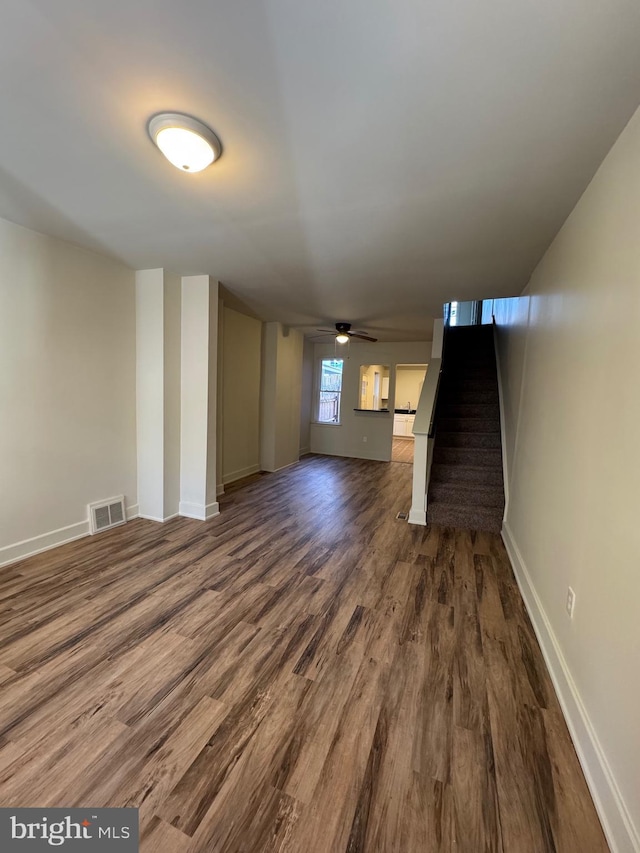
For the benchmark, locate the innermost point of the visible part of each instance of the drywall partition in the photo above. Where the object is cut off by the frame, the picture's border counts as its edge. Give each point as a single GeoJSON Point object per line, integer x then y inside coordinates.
{"type": "Point", "coordinates": [158, 393]}
{"type": "Point", "coordinates": [281, 397]}
{"type": "Point", "coordinates": [67, 389]}
{"type": "Point", "coordinates": [198, 401]}
{"type": "Point", "coordinates": [568, 350]}
{"type": "Point", "coordinates": [364, 435]}
{"type": "Point", "coordinates": [241, 369]}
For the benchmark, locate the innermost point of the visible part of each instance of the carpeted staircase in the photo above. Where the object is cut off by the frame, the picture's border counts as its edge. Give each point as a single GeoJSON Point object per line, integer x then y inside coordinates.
{"type": "Point", "coordinates": [466, 487]}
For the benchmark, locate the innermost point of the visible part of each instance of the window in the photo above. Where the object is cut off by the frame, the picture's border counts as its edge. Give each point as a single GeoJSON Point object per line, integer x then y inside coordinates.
{"type": "Point", "coordinates": [330, 390]}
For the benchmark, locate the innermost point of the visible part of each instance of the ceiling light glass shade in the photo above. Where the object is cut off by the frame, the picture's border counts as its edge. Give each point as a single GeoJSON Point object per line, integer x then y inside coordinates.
{"type": "Point", "coordinates": [342, 339]}
{"type": "Point", "coordinates": [187, 143]}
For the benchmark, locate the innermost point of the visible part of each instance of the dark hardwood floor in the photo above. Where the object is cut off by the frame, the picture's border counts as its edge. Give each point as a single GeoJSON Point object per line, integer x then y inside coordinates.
{"type": "Point", "coordinates": [304, 673]}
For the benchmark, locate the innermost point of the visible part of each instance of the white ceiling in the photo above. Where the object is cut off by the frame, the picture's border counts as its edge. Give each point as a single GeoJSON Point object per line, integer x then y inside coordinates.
{"type": "Point", "coordinates": [380, 156]}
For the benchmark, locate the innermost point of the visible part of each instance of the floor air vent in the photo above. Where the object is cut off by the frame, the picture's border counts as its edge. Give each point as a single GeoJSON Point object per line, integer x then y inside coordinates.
{"type": "Point", "coordinates": [106, 514]}
{"type": "Point", "coordinates": [403, 516]}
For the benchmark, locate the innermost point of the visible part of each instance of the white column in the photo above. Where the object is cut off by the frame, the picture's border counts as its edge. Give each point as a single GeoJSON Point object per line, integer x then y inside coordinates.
{"type": "Point", "coordinates": [157, 384]}
{"type": "Point", "coordinates": [438, 338]}
{"type": "Point", "coordinates": [198, 403]}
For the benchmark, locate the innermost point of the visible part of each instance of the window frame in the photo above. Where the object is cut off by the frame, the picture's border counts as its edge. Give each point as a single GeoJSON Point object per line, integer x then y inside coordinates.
{"type": "Point", "coordinates": [318, 391]}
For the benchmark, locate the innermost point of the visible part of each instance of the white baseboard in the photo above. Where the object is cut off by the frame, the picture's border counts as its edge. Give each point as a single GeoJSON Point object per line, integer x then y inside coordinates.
{"type": "Point", "coordinates": [622, 835]}
{"type": "Point", "coordinates": [304, 451]}
{"type": "Point", "coordinates": [281, 468]}
{"type": "Point", "coordinates": [219, 489]}
{"type": "Point", "coordinates": [156, 518]}
{"type": "Point", "coordinates": [52, 539]}
{"type": "Point", "coordinates": [201, 512]}
{"type": "Point", "coordinates": [417, 516]}
{"type": "Point", "coordinates": [239, 474]}
{"type": "Point", "coordinates": [132, 511]}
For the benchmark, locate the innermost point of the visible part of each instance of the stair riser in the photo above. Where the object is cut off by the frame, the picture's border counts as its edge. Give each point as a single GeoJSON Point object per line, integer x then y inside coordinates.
{"type": "Point", "coordinates": [468, 425]}
{"type": "Point", "coordinates": [470, 369]}
{"type": "Point", "coordinates": [447, 516]}
{"type": "Point", "coordinates": [469, 397]}
{"type": "Point", "coordinates": [463, 456]}
{"type": "Point", "coordinates": [472, 410]}
{"type": "Point", "coordinates": [464, 494]}
{"type": "Point", "coordinates": [463, 474]}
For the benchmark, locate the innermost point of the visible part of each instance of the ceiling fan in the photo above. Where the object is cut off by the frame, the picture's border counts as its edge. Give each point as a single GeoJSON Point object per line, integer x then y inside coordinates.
{"type": "Point", "coordinates": [343, 333]}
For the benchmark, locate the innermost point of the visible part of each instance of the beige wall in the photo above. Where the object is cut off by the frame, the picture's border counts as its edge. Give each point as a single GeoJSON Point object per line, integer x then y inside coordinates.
{"type": "Point", "coordinates": [67, 388]}
{"type": "Point", "coordinates": [348, 437]}
{"type": "Point", "coordinates": [306, 401]}
{"type": "Point", "coordinates": [409, 382]}
{"type": "Point", "coordinates": [241, 342]}
{"type": "Point", "coordinates": [569, 352]}
{"type": "Point", "coordinates": [281, 396]}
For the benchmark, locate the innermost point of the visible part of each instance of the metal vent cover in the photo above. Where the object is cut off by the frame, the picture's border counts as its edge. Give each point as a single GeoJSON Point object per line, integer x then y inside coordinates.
{"type": "Point", "coordinates": [106, 514]}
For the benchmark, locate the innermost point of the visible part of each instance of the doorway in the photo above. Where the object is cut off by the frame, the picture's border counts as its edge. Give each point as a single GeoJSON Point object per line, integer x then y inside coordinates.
{"type": "Point", "coordinates": [409, 382]}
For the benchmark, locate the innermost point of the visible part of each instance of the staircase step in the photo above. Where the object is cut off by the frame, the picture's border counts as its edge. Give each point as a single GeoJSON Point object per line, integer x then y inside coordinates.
{"type": "Point", "coordinates": [465, 517]}
{"type": "Point", "coordinates": [467, 494]}
{"type": "Point", "coordinates": [473, 457]}
{"type": "Point", "coordinates": [469, 424]}
{"type": "Point", "coordinates": [471, 383]}
{"type": "Point", "coordinates": [469, 410]}
{"type": "Point", "coordinates": [473, 367]}
{"type": "Point", "coordinates": [482, 475]}
{"type": "Point", "coordinates": [466, 487]}
{"type": "Point", "coordinates": [470, 396]}
{"type": "Point", "coordinates": [480, 440]}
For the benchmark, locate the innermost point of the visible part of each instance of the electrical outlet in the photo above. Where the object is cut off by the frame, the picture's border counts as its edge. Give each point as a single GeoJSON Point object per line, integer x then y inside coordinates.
{"type": "Point", "coordinates": [571, 602]}
{"type": "Point", "coordinates": [364, 438]}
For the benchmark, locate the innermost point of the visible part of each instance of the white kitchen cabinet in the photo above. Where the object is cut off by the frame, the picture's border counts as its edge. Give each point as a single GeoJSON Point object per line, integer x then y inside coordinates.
{"type": "Point", "coordinates": [403, 425]}
{"type": "Point", "coordinates": [399, 424]}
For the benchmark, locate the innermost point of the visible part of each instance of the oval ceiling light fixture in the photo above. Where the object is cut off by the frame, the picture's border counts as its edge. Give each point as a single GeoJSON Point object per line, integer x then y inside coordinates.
{"type": "Point", "coordinates": [342, 339]}
{"type": "Point", "coordinates": [187, 143]}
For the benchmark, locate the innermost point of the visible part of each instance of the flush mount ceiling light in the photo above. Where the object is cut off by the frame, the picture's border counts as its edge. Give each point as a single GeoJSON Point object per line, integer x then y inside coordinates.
{"type": "Point", "coordinates": [187, 143]}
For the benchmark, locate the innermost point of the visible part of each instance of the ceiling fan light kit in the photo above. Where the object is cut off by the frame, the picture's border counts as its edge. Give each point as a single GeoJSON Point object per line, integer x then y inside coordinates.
{"type": "Point", "coordinates": [343, 334]}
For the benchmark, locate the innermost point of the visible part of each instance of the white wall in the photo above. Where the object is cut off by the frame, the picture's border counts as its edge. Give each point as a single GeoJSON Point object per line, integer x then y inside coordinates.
{"type": "Point", "coordinates": [241, 368]}
{"type": "Point", "coordinates": [150, 391]}
{"type": "Point", "coordinates": [198, 397]}
{"type": "Point", "coordinates": [347, 438]}
{"type": "Point", "coordinates": [572, 413]}
{"type": "Point", "coordinates": [67, 388]}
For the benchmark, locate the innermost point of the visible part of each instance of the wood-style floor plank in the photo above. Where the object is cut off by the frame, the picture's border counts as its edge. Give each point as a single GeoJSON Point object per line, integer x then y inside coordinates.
{"type": "Point", "coordinates": [304, 672]}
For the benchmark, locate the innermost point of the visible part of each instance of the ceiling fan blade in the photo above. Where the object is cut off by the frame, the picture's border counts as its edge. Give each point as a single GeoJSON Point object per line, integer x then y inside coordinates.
{"type": "Point", "coordinates": [363, 337]}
